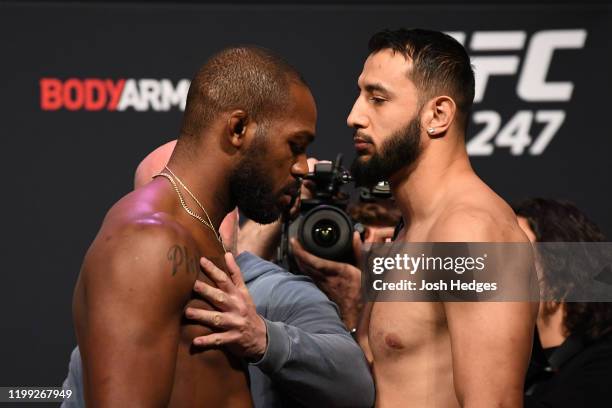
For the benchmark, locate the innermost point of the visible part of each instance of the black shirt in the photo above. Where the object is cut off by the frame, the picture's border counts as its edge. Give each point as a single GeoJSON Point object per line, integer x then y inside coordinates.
{"type": "Point", "coordinates": [575, 375]}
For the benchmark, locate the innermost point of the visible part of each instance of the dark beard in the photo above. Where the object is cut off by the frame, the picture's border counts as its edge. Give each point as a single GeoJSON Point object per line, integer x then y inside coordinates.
{"type": "Point", "coordinates": [250, 187]}
{"type": "Point", "coordinates": [400, 150]}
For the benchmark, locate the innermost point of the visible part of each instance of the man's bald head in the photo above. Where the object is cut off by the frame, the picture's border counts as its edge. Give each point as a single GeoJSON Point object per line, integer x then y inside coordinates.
{"type": "Point", "coordinates": [249, 78]}
{"type": "Point", "coordinates": [153, 164]}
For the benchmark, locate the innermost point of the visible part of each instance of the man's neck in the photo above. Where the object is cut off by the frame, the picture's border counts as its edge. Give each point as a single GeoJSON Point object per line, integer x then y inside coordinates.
{"type": "Point", "coordinates": [207, 180]}
{"type": "Point", "coordinates": [419, 188]}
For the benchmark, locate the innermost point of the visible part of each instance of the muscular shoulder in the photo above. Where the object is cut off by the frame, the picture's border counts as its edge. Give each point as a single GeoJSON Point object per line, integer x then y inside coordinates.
{"type": "Point", "coordinates": [478, 216]}
{"type": "Point", "coordinates": [142, 253]}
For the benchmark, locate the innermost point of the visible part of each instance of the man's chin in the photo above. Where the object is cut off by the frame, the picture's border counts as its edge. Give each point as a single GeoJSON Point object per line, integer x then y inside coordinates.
{"type": "Point", "coordinates": [361, 162]}
{"type": "Point", "coordinates": [363, 156]}
{"type": "Point", "coordinates": [264, 214]}
{"type": "Point", "coordinates": [267, 218]}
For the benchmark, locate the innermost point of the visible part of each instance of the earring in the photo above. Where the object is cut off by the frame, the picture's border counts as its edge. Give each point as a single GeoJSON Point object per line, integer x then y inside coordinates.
{"type": "Point", "coordinates": [431, 131]}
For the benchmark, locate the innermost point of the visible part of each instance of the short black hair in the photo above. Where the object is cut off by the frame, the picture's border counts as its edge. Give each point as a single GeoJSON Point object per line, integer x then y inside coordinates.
{"type": "Point", "coordinates": [251, 78]}
{"type": "Point", "coordinates": [440, 64]}
{"type": "Point", "coordinates": [561, 221]}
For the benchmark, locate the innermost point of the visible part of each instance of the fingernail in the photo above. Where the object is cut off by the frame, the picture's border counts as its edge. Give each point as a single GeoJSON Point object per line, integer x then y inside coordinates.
{"type": "Point", "coordinates": [189, 313]}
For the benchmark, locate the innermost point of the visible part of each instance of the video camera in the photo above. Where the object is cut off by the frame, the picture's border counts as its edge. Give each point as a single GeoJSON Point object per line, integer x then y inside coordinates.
{"type": "Point", "coordinates": [322, 227]}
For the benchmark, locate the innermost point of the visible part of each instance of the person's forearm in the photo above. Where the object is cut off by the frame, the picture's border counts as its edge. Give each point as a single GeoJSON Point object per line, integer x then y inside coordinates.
{"type": "Point", "coordinates": [350, 311]}
{"type": "Point", "coordinates": [318, 369]}
{"type": "Point", "coordinates": [344, 289]}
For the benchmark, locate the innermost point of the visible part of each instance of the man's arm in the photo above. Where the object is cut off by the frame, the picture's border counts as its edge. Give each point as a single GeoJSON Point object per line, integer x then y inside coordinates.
{"type": "Point", "coordinates": [363, 330]}
{"type": "Point", "coordinates": [490, 341]}
{"type": "Point", "coordinates": [490, 351]}
{"type": "Point", "coordinates": [340, 281]}
{"type": "Point", "coordinates": [127, 309]}
{"type": "Point", "coordinates": [310, 353]}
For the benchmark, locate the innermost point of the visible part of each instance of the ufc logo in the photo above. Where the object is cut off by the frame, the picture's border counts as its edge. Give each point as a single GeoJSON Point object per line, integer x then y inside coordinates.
{"type": "Point", "coordinates": [532, 85]}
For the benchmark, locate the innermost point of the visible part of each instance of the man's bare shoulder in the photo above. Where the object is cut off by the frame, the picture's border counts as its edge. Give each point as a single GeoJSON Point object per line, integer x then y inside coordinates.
{"type": "Point", "coordinates": [141, 249]}
{"type": "Point", "coordinates": [476, 214]}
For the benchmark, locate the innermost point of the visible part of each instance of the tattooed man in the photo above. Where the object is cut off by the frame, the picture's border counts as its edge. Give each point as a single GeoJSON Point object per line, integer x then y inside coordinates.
{"type": "Point", "coordinates": [247, 122]}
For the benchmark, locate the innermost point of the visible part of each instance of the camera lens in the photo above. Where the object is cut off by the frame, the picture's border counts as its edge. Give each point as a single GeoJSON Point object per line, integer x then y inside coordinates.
{"type": "Point", "coordinates": [325, 233]}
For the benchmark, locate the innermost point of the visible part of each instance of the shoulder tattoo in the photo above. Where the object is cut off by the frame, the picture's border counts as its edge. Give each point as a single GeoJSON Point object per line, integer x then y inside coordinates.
{"type": "Point", "coordinates": [180, 258]}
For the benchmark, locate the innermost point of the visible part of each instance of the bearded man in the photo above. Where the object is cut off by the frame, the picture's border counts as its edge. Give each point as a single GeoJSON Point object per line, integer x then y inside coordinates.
{"type": "Point", "coordinates": [410, 118]}
{"type": "Point", "coordinates": [247, 122]}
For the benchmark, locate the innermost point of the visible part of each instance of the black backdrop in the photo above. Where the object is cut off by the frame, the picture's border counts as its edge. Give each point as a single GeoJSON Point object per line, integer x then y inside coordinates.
{"type": "Point", "coordinates": [64, 168]}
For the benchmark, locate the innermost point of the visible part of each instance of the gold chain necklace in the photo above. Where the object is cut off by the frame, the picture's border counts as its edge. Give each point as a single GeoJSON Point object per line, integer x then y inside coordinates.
{"type": "Point", "coordinates": [208, 223]}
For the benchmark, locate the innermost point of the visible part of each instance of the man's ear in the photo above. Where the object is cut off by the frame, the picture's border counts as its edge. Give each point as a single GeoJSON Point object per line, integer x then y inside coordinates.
{"type": "Point", "coordinates": [441, 112]}
{"type": "Point", "coordinates": [237, 127]}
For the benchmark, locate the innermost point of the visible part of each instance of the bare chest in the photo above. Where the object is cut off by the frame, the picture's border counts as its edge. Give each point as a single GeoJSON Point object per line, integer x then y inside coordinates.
{"type": "Point", "coordinates": [398, 328]}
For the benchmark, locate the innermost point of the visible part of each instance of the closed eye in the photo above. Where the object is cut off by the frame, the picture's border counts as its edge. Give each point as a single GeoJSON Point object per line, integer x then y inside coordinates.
{"type": "Point", "coordinates": [297, 148]}
{"type": "Point", "coordinates": [377, 100]}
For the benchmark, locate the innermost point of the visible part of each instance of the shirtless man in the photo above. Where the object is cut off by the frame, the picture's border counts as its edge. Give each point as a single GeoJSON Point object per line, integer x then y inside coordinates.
{"type": "Point", "coordinates": [247, 122]}
{"type": "Point", "coordinates": [410, 119]}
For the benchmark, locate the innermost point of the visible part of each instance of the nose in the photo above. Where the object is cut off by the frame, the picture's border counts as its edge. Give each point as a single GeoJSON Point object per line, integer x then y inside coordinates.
{"type": "Point", "coordinates": [356, 118]}
{"type": "Point", "coordinates": [300, 167]}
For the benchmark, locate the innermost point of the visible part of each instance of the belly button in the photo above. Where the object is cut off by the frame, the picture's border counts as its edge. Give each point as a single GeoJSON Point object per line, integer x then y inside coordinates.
{"type": "Point", "coordinates": [393, 341]}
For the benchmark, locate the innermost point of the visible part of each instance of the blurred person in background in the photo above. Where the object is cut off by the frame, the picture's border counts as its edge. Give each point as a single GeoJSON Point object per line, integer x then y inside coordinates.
{"type": "Point", "coordinates": [572, 359]}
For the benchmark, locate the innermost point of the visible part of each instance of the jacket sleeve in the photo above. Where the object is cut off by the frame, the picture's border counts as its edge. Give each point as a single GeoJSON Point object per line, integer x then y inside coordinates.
{"type": "Point", "coordinates": [74, 382]}
{"type": "Point", "coordinates": [310, 354]}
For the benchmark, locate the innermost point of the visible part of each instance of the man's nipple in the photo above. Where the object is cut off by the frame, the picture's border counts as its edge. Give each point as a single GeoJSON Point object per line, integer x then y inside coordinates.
{"type": "Point", "coordinates": [393, 341]}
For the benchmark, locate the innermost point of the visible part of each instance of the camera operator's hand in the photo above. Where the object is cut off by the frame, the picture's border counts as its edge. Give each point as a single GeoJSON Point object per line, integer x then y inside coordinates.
{"type": "Point", "coordinates": [341, 282]}
{"type": "Point", "coordinates": [308, 188]}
